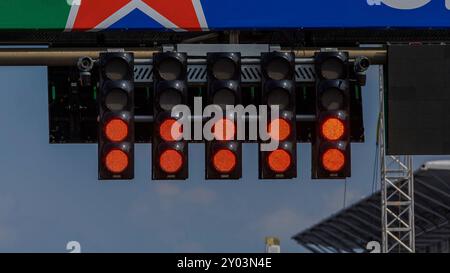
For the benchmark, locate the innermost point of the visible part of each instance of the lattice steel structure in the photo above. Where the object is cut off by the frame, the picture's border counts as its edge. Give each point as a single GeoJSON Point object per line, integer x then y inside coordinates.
{"type": "Point", "coordinates": [358, 227]}
{"type": "Point", "coordinates": [397, 191]}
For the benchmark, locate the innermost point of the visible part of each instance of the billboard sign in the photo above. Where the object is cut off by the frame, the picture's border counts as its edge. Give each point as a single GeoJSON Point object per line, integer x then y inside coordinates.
{"type": "Point", "coordinates": [188, 15]}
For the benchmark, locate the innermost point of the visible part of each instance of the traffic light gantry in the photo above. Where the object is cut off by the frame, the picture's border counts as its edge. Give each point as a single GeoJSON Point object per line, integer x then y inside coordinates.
{"type": "Point", "coordinates": [331, 140]}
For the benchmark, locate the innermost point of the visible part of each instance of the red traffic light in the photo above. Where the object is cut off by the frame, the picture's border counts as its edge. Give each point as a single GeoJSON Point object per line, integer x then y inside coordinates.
{"type": "Point", "coordinates": [170, 130]}
{"type": "Point", "coordinates": [116, 161]}
{"type": "Point", "coordinates": [279, 160]}
{"type": "Point", "coordinates": [116, 130]}
{"type": "Point", "coordinates": [116, 116]}
{"type": "Point", "coordinates": [171, 161]}
{"type": "Point", "coordinates": [332, 129]}
{"type": "Point", "coordinates": [224, 161]}
{"type": "Point", "coordinates": [279, 129]}
{"type": "Point", "coordinates": [333, 160]}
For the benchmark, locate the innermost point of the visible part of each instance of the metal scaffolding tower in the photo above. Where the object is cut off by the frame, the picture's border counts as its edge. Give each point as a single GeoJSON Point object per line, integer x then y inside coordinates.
{"type": "Point", "coordinates": [397, 191]}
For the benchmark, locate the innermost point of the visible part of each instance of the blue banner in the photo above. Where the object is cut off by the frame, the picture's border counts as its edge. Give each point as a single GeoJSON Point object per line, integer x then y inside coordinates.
{"type": "Point", "coordinates": [190, 15]}
{"type": "Point", "coordinates": [327, 13]}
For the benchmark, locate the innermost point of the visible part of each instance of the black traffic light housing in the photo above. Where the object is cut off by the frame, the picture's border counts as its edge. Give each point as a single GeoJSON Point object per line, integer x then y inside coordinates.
{"type": "Point", "coordinates": [278, 88]}
{"type": "Point", "coordinates": [331, 148]}
{"type": "Point", "coordinates": [170, 89]}
{"type": "Point", "coordinates": [116, 102]}
{"type": "Point", "coordinates": [224, 80]}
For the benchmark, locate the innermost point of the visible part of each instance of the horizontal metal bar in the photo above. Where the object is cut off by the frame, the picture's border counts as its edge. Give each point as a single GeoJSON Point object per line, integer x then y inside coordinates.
{"type": "Point", "coordinates": [59, 56]}
{"type": "Point", "coordinates": [143, 119]}
{"type": "Point", "coordinates": [432, 188]}
{"type": "Point", "coordinates": [433, 200]}
{"type": "Point", "coordinates": [300, 118]}
{"type": "Point", "coordinates": [249, 61]}
{"type": "Point", "coordinates": [250, 73]}
{"type": "Point", "coordinates": [70, 56]}
{"type": "Point", "coordinates": [432, 229]}
{"type": "Point", "coordinates": [425, 208]}
{"type": "Point", "coordinates": [397, 229]}
{"type": "Point", "coordinates": [397, 171]}
{"type": "Point", "coordinates": [244, 60]}
{"type": "Point", "coordinates": [376, 55]}
{"type": "Point", "coordinates": [398, 203]}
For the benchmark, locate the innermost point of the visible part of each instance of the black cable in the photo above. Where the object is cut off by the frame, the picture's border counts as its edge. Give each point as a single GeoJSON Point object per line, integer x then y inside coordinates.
{"type": "Point", "coordinates": [375, 169]}
{"type": "Point", "coordinates": [345, 192]}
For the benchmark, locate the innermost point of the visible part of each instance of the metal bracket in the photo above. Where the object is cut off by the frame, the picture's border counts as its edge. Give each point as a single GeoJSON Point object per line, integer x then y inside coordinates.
{"type": "Point", "coordinates": [250, 73]}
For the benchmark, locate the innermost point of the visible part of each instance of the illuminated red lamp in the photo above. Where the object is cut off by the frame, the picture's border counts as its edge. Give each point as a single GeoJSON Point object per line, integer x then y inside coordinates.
{"type": "Point", "coordinates": [170, 130]}
{"type": "Point", "coordinates": [224, 161]}
{"type": "Point", "coordinates": [279, 129]}
{"type": "Point", "coordinates": [116, 130]}
{"type": "Point", "coordinates": [333, 160]}
{"type": "Point", "coordinates": [279, 160]}
{"type": "Point", "coordinates": [332, 129]}
{"type": "Point", "coordinates": [171, 161]}
{"type": "Point", "coordinates": [116, 161]}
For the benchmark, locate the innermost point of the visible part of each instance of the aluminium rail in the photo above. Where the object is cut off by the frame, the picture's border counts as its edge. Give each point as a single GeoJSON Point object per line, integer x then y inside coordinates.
{"type": "Point", "coordinates": [70, 56]}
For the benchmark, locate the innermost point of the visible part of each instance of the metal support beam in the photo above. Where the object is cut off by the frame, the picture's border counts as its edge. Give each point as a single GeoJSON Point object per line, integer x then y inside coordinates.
{"type": "Point", "coordinates": [343, 243]}
{"type": "Point", "coordinates": [59, 56]}
{"type": "Point", "coordinates": [310, 248]}
{"type": "Point", "coordinates": [357, 230]}
{"type": "Point", "coordinates": [366, 225]}
{"type": "Point", "coordinates": [376, 56]}
{"type": "Point", "coordinates": [367, 212]}
{"type": "Point", "coordinates": [435, 213]}
{"type": "Point", "coordinates": [397, 191]}
{"type": "Point", "coordinates": [323, 243]}
{"type": "Point", "coordinates": [434, 200]}
{"type": "Point", "coordinates": [70, 56]}
{"type": "Point", "coordinates": [433, 188]}
{"type": "Point", "coordinates": [345, 232]}
{"type": "Point", "coordinates": [234, 36]}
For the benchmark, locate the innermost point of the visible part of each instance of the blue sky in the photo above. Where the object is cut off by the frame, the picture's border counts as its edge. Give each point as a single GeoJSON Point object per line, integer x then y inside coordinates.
{"type": "Point", "coordinates": [49, 194]}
